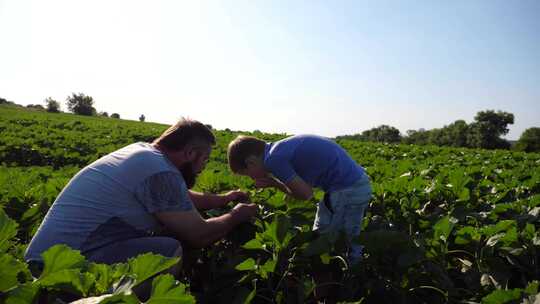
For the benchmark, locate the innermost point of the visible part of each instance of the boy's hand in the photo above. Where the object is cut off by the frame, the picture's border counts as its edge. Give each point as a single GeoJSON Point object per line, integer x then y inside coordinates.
{"type": "Point", "coordinates": [265, 182]}
{"type": "Point", "coordinates": [236, 196]}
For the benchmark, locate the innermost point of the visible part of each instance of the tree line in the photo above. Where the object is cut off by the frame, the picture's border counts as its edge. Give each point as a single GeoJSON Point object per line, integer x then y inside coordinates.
{"type": "Point", "coordinates": [484, 132]}
{"type": "Point", "coordinates": [77, 103]}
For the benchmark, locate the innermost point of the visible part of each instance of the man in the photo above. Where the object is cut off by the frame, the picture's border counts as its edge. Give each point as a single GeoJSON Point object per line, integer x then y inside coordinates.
{"type": "Point", "coordinates": [117, 207]}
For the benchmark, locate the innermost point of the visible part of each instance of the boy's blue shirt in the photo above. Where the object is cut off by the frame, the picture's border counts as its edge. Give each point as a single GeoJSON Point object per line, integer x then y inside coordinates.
{"type": "Point", "coordinates": [319, 161]}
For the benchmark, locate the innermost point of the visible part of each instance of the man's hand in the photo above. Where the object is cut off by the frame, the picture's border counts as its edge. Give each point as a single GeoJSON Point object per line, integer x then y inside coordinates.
{"type": "Point", "coordinates": [244, 212]}
{"type": "Point", "coordinates": [235, 196]}
{"type": "Point", "coordinates": [265, 182]}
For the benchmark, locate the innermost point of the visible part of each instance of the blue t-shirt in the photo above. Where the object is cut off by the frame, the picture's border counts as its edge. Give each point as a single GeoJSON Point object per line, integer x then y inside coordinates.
{"type": "Point", "coordinates": [319, 161]}
{"type": "Point", "coordinates": [111, 200]}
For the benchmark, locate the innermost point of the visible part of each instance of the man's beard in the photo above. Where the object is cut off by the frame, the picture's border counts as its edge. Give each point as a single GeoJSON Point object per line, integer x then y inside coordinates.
{"type": "Point", "coordinates": [190, 176]}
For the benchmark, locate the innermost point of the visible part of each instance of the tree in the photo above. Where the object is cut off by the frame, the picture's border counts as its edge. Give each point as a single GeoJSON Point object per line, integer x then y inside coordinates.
{"type": "Point", "coordinates": [52, 105]}
{"type": "Point", "coordinates": [36, 107]}
{"type": "Point", "coordinates": [529, 141]}
{"type": "Point", "coordinates": [115, 115]}
{"type": "Point", "coordinates": [382, 133]}
{"type": "Point", "coordinates": [417, 137]}
{"type": "Point", "coordinates": [104, 114]}
{"type": "Point", "coordinates": [142, 118]}
{"type": "Point", "coordinates": [489, 125]}
{"type": "Point", "coordinates": [455, 134]}
{"type": "Point", "coordinates": [5, 101]}
{"type": "Point", "coordinates": [81, 104]}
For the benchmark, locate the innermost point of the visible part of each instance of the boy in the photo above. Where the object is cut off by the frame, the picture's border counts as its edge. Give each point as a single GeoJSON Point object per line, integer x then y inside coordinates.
{"type": "Point", "coordinates": [297, 164]}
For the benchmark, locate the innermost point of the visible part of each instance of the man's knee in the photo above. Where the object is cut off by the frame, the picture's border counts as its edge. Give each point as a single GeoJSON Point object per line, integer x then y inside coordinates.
{"type": "Point", "coordinates": [178, 252]}
{"type": "Point", "coordinates": [170, 247]}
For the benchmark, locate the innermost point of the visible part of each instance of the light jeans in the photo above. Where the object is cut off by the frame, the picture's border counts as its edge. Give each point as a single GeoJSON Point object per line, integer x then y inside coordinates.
{"type": "Point", "coordinates": [343, 210]}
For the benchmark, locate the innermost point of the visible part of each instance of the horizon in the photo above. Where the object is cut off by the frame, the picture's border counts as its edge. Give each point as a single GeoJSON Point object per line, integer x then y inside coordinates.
{"type": "Point", "coordinates": [305, 67]}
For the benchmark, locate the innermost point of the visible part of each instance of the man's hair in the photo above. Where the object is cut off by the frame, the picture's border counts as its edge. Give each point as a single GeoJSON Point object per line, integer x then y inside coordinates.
{"type": "Point", "coordinates": [241, 148]}
{"type": "Point", "coordinates": [185, 131]}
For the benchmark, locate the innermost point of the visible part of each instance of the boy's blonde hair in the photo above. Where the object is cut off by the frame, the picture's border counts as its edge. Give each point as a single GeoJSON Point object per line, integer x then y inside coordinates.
{"type": "Point", "coordinates": [241, 148]}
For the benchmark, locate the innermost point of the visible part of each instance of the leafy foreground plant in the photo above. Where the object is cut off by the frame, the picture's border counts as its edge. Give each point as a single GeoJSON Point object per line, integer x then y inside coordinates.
{"type": "Point", "coordinates": [68, 276]}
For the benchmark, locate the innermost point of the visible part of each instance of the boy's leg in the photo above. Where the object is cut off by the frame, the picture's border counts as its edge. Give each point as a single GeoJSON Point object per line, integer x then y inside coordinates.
{"type": "Point", "coordinates": [323, 275]}
{"type": "Point", "coordinates": [350, 206]}
{"type": "Point", "coordinates": [352, 225]}
{"type": "Point", "coordinates": [323, 216]}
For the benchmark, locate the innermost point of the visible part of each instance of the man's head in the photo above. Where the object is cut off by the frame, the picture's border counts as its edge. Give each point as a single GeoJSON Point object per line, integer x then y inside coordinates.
{"type": "Point", "coordinates": [187, 144]}
{"type": "Point", "coordinates": [245, 155]}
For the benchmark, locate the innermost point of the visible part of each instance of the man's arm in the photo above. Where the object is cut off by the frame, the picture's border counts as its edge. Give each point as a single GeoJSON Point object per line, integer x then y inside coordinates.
{"type": "Point", "coordinates": [207, 201]}
{"type": "Point", "coordinates": [190, 227]}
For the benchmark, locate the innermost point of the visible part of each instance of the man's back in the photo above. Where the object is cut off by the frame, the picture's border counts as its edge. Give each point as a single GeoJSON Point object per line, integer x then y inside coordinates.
{"type": "Point", "coordinates": [102, 204]}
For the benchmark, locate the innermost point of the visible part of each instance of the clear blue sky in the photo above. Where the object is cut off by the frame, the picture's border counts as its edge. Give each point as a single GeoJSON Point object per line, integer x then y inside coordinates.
{"type": "Point", "coordinates": [323, 67]}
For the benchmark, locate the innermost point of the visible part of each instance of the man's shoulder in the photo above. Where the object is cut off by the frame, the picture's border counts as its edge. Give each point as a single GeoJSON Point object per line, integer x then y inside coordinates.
{"type": "Point", "coordinates": [142, 153]}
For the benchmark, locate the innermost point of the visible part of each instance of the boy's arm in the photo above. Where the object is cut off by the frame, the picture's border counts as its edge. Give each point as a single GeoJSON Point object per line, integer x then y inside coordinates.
{"type": "Point", "coordinates": [296, 188]}
{"type": "Point", "coordinates": [300, 189]}
{"type": "Point", "coordinates": [282, 168]}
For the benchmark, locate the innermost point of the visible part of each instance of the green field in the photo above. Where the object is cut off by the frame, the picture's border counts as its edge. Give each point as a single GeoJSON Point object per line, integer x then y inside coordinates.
{"type": "Point", "coordinates": [445, 225]}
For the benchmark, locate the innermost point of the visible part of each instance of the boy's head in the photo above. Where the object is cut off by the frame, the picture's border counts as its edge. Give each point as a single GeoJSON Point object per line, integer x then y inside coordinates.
{"type": "Point", "coordinates": [245, 155]}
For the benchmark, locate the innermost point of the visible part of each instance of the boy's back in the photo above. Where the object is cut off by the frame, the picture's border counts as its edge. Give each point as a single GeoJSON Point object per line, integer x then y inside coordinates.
{"type": "Point", "coordinates": [319, 161]}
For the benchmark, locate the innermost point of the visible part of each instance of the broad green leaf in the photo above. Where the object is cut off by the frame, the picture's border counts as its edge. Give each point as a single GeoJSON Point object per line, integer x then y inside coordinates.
{"type": "Point", "coordinates": [532, 287]}
{"type": "Point", "coordinates": [9, 269]}
{"type": "Point", "coordinates": [529, 231]}
{"type": "Point", "coordinates": [166, 290]}
{"type": "Point", "coordinates": [81, 282]}
{"type": "Point", "coordinates": [254, 244]}
{"type": "Point", "coordinates": [443, 228]}
{"type": "Point", "coordinates": [501, 226]}
{"type": "Point", "coordinates": [278, 230]}
{"type": "Point", "coordinates": [248, 264]}
{"type": "Point", "coordinates": [283, 226]}
{"type": "Point", "coordinates": [8, 230]}
{"type": "Point", "coordinates": [458, 182]}
{"type": "Point", "coordinates": [502, 296]}
{"type": "Point", "coordinates": [511, 236]}
{"type": "Point", "coordinates": [61, 257]}
{"type": "Point", "coordinates": [325, 258]}
{"type": "Point", "coordinates": [466, 235]}
{"type": "Point", "coordinates": [23, 294]}
{"type": "Point", "coordinates": [147, 265]}
{"type": "Point", "coordinates": [268, 267]}
{"type": "Point", "coordinates": [464, 195]}
{"type": "Point", "coordinates": [105, 276]}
